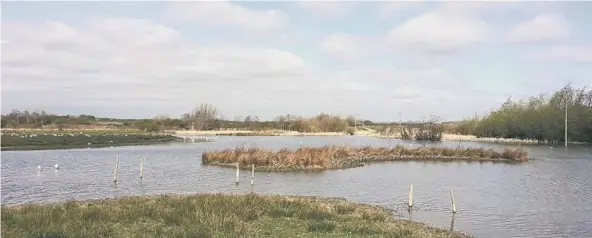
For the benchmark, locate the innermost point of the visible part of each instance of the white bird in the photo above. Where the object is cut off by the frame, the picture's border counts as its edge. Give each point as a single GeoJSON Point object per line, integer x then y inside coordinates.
{"type": "Point", "coordinates": [39, 167]}
{"type": "Point", "coordinates": [57, 167]}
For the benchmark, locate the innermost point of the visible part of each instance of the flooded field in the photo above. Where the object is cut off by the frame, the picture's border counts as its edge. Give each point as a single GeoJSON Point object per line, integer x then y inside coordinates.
{"type": "Point", "coordinates": [547, 197]}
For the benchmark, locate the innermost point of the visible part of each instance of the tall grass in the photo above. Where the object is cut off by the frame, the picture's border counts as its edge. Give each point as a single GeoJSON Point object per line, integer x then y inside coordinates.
{"type": "Point", "coordinates": [333, 157]}
{"type": "Point", "coordinates": [210, 215]}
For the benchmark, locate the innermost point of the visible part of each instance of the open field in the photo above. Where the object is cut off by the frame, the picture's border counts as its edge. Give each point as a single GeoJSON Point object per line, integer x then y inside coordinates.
{"type": "Point", "coordinates": [339, 157]}
{"type": "Point", "coordinates": [210, 215]}
{"type": "Point", "coordinates": [38, 140]}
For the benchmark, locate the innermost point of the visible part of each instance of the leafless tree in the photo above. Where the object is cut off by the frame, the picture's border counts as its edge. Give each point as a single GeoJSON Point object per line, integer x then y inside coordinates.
{"type": "Point", "coordinates": [280, 121]}
{"type": "Point", "coordinates": [430, 129]}
{"type": "Point", "coordinates": [201, 116]}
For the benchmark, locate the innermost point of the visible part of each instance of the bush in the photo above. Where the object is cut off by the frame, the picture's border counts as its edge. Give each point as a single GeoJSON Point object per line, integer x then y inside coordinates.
{"type": "Point", "coordinates": [351, 131]}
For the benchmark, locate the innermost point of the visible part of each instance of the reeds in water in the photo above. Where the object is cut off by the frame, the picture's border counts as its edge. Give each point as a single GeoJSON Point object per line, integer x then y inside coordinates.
{"type": "Point", "coordinates": [334, 157]}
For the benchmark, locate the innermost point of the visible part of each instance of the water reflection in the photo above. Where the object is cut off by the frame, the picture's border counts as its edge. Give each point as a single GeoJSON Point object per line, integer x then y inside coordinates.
{"type": "Point", "coordinates": [548, 197]}
{"type": "Point", "coordinates": [452, 222]}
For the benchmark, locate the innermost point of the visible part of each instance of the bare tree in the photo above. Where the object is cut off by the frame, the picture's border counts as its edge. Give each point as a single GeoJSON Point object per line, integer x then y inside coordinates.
{"type": "Point", "coordinates": [17, 114]}
{"type": "Point", "coordinates": [249, 121]}
{"type": "Point", "coordinates": [430, 129]}
{"type": "Point", "coordinates": [201, 116]}
{"type": "Point", "coordinates": [27, 115]}
{"type": "Point", "coordinates": [280, 121]}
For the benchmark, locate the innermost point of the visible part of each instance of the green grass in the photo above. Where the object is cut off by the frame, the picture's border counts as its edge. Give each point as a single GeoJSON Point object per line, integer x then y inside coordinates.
{"type": "Point", "coordinates": [29, 140]}
{"type": "Point", "coordinates": [210, 215]}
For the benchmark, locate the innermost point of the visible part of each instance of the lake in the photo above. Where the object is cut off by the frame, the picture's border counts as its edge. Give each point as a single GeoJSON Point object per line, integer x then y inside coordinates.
{"type": "Point", "coordinates": [550, 196]}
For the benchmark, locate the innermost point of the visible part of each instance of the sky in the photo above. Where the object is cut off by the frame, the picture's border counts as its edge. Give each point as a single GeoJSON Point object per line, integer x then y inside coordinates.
{"type": "Point", "coordinates": [372, 60]}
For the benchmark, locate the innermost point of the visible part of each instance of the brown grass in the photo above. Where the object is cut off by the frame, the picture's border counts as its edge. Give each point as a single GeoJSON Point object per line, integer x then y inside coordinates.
{"type": "Point", "coordinates": [335, 157]}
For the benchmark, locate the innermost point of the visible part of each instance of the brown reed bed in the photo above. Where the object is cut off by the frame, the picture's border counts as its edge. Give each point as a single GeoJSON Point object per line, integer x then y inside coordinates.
{"type": "Point", "coordinates": [339, 157]}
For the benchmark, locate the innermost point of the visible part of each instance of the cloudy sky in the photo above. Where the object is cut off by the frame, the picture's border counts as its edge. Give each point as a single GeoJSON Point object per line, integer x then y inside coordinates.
{"type": "Point", "coordinates": [372, 60]}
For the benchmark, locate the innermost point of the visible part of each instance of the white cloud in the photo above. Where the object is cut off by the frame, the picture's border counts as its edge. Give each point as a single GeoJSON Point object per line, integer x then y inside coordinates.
{"type": "Point", "coordinates": [342, 46]}
{"type": "Point", "coordinates": [544, 27]}
{"type": "Point", "coordinates": [130, 61]}
{"type": "Point", "coordinates": [476, 7]}
{"type": "Point", "coordinates": [392, 7]}
{"type": "Point", "coordinates": [227, 14]}
{"type": "Point", "coordinates": [439, 32]}
{"type": "Point", "coordinates": [327, 8]}
{"type": "Point", "coordinates": [137, 68]}
{"type": "Point", "coordinates": [565, 53]}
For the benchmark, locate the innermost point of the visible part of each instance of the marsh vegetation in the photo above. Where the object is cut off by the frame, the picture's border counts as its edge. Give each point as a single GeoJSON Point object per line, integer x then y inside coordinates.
{"type": "Point", "coordinates": [36, 140]}
{"type": "Point", "coordinates": [210, 215]}
{"type": "Point", "coordinates": [338, 157]}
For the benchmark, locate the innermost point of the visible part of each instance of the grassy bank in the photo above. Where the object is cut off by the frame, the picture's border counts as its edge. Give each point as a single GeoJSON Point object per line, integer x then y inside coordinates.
{"type": "Point", "coordinates": [337, 157]}
{"type": "Point", "coordinates": [40, 140]}
{"type": "Point", "coordinates": [210, 215]}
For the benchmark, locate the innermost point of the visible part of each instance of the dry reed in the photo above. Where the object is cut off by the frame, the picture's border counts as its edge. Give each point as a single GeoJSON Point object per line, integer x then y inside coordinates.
{"type": "Point", "coordinates": [336, 157]}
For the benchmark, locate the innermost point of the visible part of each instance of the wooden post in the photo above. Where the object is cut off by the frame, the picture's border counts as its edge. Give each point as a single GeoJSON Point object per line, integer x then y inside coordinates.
{"type": "Point", "coordinates": [452, 223]}
{"type": "Point", "coordinates": [565, 129]}
{"type": "Point", "coordinates": [252, 174]}
{"type": "Point", "coordinates": [237, 173]}
{"type": "Point", "coordinates": [410, 196]}
{"type": "Point", "coordinates": [116, 168]}
{"type": "Point", "coordinates": [142, 168]}
{"type": "Point", "coordinates": [452, 200]}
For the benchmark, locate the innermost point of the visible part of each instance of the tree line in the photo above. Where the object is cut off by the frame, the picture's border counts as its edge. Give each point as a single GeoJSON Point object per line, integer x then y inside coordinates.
{"type": "Point", "coordinates": [201, 117]}
{"type": "Point", "coordinates": [540, 118]}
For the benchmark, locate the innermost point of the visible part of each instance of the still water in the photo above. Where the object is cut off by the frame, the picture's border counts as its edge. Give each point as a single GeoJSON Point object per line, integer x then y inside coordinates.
{"type": "Point", "coordinates": [547, 197]}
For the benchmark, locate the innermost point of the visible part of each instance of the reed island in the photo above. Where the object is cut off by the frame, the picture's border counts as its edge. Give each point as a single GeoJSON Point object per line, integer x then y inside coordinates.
{"type": "Point", "coordinates": [340, 157]}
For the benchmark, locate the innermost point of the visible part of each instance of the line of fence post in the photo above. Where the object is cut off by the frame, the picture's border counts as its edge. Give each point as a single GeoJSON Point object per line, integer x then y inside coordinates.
{"type": "Point", "coordinates": [410, 202]}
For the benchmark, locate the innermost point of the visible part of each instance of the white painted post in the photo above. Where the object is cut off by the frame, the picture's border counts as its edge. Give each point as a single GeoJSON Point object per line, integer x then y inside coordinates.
{"type": "Point", "coordinates": [410, 196]}
{"type": "Point", "coordinates": [565, 138]}
{"type": "Point", "coordinates": [252, 174]}
{"type": "Point", "coordinates": [452, 200]}
{"type": "Point", "coordinates": [237, 173]}
{"type": "Point", "coordinates": [116, 168]}
{"type": "Point", "coordinates": [142, 168]}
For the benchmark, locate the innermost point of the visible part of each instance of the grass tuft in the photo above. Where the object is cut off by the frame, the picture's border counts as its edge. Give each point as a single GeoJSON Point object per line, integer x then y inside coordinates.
{"type": "Point", "coordinates": [209, 215]}
{"type": "Point", "coordinates": [321, 226]}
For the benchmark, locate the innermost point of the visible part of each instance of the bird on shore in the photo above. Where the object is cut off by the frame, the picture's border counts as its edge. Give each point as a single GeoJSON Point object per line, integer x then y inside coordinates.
{"type": "Point", "coordinates": [57, 167]}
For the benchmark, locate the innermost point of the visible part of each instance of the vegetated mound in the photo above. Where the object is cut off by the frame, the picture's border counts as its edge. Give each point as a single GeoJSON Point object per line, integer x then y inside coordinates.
{"type": "Point", "coordinates": [210, 215]}
{"type": "Point", "coordinates": [336, 157]}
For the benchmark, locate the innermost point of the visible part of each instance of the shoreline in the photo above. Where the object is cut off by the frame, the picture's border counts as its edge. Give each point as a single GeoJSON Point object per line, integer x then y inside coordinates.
{"type": "Point", "coordinates": [26, 141]}
{"type": "Point", "coordinates": [69, 147]}
{"type": "Point", "coordinates": [213, 214]}
{"type": "Point", "coordinates": [445, 136]}
{"type": "Point", "coordinates": [256, 133]}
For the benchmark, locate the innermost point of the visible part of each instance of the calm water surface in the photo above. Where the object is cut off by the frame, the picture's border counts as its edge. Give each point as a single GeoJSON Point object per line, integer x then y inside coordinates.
{"type": "Point", "coordinates": [547, 197]}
